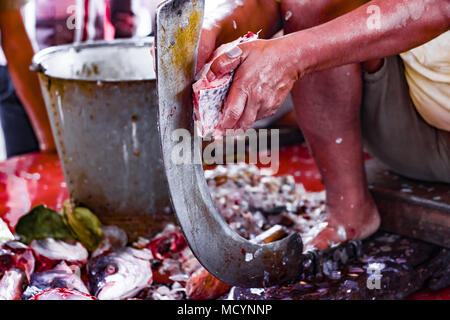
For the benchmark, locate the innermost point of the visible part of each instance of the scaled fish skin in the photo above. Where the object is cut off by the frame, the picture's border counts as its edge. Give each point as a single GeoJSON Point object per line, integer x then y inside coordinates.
{"type": "Point", "coordinates": [120, 273]}
{"type": "Point", "coordinates": [209, 96]}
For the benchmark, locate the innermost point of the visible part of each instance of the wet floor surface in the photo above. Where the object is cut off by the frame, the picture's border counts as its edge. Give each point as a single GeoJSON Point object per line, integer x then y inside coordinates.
{"type": "Point", "coordinates": [391, 267]}
{"type": "Point", "coordinates": [402, 265]}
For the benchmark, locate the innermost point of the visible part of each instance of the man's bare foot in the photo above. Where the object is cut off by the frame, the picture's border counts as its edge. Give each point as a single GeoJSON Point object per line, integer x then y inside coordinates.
{"type": "Point", "coordinates": [358, 222]}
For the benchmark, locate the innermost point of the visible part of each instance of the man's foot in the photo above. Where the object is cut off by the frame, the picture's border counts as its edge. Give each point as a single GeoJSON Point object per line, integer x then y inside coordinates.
{"type": "Point", "coordinates": [358, 222]}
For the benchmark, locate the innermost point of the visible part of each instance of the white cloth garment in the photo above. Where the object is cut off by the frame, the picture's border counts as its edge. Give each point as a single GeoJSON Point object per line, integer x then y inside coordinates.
{"type": "Point", "coordinates": [427, 70]}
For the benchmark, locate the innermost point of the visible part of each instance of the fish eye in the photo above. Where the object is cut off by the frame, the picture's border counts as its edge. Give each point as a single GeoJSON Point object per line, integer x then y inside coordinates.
{"type": "Point", "coordinates": [110, 269]}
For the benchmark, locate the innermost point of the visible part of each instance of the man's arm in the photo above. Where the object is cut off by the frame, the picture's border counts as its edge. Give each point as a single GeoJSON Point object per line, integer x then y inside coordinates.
{"type": "Point", "coordinates": [375, 30]}
{"type": "Point", "coordinates": [19, 53]}
{"type": "Point", "coordinates": [244, 16]}
{"type": "Point", "coordinates": [267, 70]}
{"type": "Point", "coordinates": [227, 20]}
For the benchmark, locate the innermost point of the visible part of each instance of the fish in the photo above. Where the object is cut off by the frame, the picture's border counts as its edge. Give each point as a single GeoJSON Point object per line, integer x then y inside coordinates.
{"type": "Point", "coordinates": [15, 254]}
{"type": "Point", "coordinates": [62, 294]}
{"type": "Point", "coordinates": [12, 284]}
{"type": "Point", "coordinates": [120, 273]}
{"type": "Point", "coordinates": [62, 276]}
{"type": "Point", "coordinates": [50, 252]}
{"type": "Point", "coordinates": [209, 96]}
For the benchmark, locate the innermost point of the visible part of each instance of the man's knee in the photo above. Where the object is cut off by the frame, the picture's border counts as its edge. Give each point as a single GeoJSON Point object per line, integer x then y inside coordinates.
{"type": "Point", "coordinates": [303, 14]}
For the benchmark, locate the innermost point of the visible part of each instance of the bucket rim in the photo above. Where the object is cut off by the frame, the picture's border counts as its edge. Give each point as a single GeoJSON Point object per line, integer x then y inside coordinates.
{"type": "Point", "coordinates": [42, 55]}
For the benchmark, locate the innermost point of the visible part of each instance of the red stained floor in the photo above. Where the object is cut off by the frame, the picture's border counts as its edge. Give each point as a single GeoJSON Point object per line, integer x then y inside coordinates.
{"type": "Point", "coordinates": [297, 161]}
{"type": "Point", "coordinates": [33, 179]}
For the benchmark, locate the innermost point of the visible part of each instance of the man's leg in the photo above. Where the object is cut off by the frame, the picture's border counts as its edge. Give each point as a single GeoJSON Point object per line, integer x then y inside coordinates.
{"type": "Point", "coordinates": [17, 129]}
{"type": "Point", "coordinates": [327, 106]}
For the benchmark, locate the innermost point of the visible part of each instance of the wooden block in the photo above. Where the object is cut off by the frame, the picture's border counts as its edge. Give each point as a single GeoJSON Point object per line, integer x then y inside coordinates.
{"type": "Point", "coordinates": [415, 209]}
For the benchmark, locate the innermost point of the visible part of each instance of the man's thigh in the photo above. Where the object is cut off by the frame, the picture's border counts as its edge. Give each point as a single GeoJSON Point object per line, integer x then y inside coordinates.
{"type": "Point", "coordinates": [394, 131]}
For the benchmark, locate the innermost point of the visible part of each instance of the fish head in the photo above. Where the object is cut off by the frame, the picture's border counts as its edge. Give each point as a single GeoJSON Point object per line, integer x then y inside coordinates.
{"type": "Point", "coordinates": [119, 274]}
{"type": "Point", "coordinates": [101, 271]}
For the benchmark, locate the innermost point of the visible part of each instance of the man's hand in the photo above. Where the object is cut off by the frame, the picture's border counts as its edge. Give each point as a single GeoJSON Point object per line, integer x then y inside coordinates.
{"type": "Point", "coordinates": [262, 82]}
{"type": "Point", "coordinates": [257, 16]}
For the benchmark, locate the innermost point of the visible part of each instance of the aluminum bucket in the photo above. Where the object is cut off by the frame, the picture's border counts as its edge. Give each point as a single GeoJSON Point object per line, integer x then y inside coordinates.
{"type": "Point", "coordinates": [101, 98]}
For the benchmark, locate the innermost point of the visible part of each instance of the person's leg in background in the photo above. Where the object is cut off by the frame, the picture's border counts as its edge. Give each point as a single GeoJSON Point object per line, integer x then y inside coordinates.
{"type": "Point", "coordinates": [17, 130]}
{"type": "Point", "coordinates": [327, 106]}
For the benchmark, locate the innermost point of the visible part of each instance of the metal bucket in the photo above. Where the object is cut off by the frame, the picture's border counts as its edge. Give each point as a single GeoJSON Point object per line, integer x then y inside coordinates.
{"type": "Point", "coordinates": [102, 102]}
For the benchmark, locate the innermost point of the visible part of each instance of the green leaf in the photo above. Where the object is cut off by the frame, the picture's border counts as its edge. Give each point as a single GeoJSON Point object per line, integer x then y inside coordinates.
{"type": "Point", "coordinates": [41, 223]}
{"type": "Point", "coordinates": [84, 224]}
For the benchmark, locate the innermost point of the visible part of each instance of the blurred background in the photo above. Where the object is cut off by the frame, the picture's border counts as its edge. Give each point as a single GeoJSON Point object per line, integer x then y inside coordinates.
{"type": "Point", "coordinates": [57, 22]}
{"type": "Point", "coordinates": [49, 23]}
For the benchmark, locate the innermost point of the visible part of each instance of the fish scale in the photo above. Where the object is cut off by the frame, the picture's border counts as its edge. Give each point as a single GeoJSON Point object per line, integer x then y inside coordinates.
{"type": "Point", "coordinates": [211, 102]}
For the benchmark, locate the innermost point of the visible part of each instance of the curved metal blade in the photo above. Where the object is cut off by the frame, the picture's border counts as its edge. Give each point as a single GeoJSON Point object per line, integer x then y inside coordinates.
{"type": "Point", "coordinates": [229, 257]}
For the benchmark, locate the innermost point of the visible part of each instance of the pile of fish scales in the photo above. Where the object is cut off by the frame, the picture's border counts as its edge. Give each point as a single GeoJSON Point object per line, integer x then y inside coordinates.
{"type": "Point", "coordinates": [162, 268]}
{"type": "Point", "coordinates": [252, 200]}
